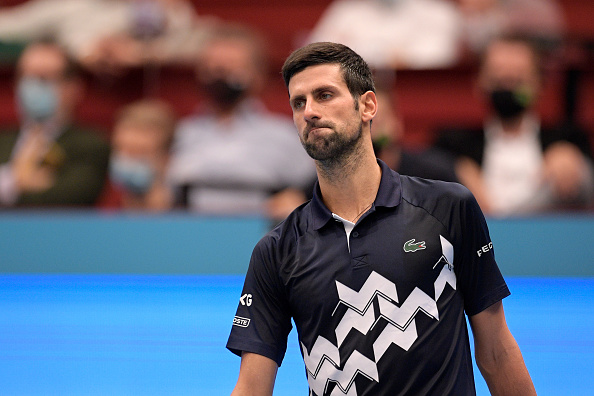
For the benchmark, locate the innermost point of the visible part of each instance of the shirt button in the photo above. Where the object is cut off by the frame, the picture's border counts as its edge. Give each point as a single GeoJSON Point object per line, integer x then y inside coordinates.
{"type": "Point", "coordinates": [355, 234]}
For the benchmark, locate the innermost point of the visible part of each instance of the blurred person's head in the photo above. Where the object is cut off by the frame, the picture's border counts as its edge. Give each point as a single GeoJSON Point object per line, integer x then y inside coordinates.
{"type": "Point", "coordinates": [48, 86]}
{"type": "Point", "coordinates": [141, 142]}
{"type": "Point", "coordinates": [232, 65]}
{"type": "Point", "coordinates": [510, 76]}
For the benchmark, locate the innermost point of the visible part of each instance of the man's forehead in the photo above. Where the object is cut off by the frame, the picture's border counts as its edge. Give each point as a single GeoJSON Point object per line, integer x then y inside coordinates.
{"type": "Point", "coordinates": [313, 77]}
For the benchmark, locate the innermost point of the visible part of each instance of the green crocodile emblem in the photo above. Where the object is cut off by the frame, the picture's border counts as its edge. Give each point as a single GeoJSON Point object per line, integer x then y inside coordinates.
{"type": "Point", "coordinates": [411, 246]}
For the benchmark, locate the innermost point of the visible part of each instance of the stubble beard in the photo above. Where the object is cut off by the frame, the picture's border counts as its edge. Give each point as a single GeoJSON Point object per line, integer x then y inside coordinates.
{"type": "Point", "coordinates": [333, 153]}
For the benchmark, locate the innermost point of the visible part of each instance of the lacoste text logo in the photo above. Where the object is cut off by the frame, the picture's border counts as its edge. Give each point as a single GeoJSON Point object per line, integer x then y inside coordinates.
{"type": "Point", "coordinates": [246, 299]}
{"type": "Point", "coordinates": [411, 246]}
{"type": "Point", "coordinates": [241, 322]}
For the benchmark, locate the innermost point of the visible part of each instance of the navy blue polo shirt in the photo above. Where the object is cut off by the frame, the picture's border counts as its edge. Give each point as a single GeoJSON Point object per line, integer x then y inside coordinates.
{"type": "Point", "coordinates": [385, 317]}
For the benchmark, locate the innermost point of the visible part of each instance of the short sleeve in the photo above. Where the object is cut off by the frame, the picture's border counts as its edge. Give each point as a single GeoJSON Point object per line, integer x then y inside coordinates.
{"type": "Point", "coordinates": [263, 320]}
{"type": "Point", "coordinates": [480, 279]}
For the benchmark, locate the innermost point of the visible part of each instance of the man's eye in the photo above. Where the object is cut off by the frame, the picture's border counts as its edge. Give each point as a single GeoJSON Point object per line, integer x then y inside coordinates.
{"type": "Point", "coordinates": [298, 104]}
{"type": "Point", "coordinates": [325, 95]}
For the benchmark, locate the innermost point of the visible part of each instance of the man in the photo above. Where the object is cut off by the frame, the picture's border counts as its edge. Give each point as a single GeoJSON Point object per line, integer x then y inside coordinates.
{"type": "Point", "coordinates": [50, 161]}
{"type": "Point", "coordinates": [377, 269]}
{"type": "Point", "coordinates": [235, 155]}
{"type": "Point", "coordinates": [514, 165]}
{"type": "Point", "coordinates": [141, 143]}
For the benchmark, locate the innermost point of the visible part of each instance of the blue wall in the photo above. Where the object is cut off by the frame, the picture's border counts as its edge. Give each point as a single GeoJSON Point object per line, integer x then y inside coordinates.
{"type": "Point", "coordinates": [90, 242]}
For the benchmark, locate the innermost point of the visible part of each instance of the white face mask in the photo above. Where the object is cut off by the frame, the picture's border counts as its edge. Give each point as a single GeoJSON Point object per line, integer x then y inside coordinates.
{"type": "Point", "coordinates": [133, 175]}
{"type": "Point", "coordinates": [37, 100]}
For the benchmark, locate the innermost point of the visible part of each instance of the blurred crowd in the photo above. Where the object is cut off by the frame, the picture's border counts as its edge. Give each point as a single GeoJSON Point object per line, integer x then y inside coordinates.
{"type": "Point", "coordinates": [233, 155]}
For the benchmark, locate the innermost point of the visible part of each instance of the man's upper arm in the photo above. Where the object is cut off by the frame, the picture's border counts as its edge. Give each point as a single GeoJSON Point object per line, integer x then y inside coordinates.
{"type": "Point", "coordinates": [257, 374]}
{"type": "Point", "coordinates": [488, 323]}
{"type": "Point", "coordinates": [498, 355]}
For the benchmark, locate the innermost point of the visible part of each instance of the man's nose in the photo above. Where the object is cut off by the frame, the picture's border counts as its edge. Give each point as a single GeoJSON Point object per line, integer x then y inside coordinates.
{"type": "Point", "coordinates": [311, 111]}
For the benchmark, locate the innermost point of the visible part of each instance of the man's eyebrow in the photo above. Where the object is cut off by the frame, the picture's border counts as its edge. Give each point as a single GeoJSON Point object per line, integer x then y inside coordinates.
{"type": "Point", "coordinates": [299, 96]}
{"type": "Point", "coordinates": [322, 89]}
{"type": "Point", "coordinates": [315, 91]}
{"type": "Point", "coordinates": [295, 98]}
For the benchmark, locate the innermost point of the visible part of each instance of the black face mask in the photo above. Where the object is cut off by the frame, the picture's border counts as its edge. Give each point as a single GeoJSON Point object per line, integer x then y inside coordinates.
{"type": "Point", "coordinates": [508, 103]}
{"type": "Point", "coordinates": [224, 93]}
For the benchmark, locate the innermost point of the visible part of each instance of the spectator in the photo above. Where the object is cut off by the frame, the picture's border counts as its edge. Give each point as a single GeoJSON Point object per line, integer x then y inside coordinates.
{"type": "Point", "coordinates": [107, 36]}
{"type": "Point", "coordinates": [514, 165]}
{"type": "Point", "coordinates": [141, 142]}
{"type": "Point", "coordinates": [416, 34]}
{"type": "Point", "coordinates": [50, 161]}
{"type": "Point", "coordinates": [235, 155]}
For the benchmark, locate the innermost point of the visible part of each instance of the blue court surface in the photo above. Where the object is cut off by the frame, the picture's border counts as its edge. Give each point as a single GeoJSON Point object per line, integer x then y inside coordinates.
{"type": "Point", "coordinates": [165, 335]}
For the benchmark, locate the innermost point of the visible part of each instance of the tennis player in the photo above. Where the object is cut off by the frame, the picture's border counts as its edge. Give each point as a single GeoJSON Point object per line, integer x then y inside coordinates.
{"type": "Point", "coordinates": [378, 270]}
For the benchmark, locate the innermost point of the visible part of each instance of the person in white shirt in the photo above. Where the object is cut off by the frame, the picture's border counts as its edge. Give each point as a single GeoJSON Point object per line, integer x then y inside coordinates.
{"type": "Point", "coordinates": [415, 34]}
{"type": "Point", "coordinates": [514, 165]}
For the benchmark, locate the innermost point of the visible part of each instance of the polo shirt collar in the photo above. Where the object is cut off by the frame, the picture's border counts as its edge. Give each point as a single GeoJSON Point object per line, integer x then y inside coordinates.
{"type": "Point", "coordinates": [389, 195]}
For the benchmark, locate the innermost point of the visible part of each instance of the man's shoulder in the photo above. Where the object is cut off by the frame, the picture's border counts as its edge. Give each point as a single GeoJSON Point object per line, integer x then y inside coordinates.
{"type": "Point", "coordinates": [293, 227]}
{"type": "Point", "coordinates": [433, 195]}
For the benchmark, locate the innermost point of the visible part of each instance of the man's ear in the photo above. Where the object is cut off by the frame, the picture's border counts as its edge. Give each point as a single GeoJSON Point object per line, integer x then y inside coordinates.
{"type": "Point", "coordinates": [368, 106]}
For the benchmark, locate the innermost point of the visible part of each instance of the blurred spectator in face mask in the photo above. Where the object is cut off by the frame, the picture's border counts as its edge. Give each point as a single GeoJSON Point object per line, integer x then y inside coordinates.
{"type": "Point", "coordinates": [140, 155]}
{"type": "Point", "coordinates": [50, 161]}
{"type": "Point", "coordinates": [514, 165]}
{"type": "Point", "coordinates": [234, 155]}
{"type": "Point", "coordinates": [231, 68]}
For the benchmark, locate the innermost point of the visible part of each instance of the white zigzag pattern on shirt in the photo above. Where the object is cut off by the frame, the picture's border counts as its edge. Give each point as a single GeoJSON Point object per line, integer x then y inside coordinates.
{"type": "Point", "coordinates": [323, 363]}
{"type": "Point", "coordinates": [325, 360]}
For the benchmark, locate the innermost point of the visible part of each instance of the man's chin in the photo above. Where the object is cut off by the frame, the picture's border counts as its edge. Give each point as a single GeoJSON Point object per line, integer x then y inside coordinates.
{"type": "Point", "coordinates": [319, 151]}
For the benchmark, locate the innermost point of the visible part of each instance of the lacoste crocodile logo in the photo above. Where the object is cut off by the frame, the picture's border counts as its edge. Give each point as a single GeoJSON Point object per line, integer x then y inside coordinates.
{"type": "Point", "coordinates": [411, 246]}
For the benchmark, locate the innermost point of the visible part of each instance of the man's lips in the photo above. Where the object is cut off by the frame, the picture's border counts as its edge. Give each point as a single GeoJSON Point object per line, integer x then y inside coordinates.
{"type": "Point", "coordinates": [315, 129]}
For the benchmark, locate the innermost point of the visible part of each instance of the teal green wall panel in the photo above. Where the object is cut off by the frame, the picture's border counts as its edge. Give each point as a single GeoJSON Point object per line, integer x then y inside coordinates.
{"type": "Point", "coordinates": [544, 246]}
{"type": "Point", "coordinates": [112, 244]}
{"type": "Point", "coordinates": [90, 242]}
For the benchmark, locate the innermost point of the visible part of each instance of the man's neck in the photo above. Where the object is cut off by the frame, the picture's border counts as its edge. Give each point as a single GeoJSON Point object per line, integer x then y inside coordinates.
{"type": "Point", "coordinates": [349, 189]}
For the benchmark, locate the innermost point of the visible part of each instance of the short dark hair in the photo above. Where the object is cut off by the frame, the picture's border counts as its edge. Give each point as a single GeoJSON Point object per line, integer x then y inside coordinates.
{"type": "Point", "coordinates": [355, 71]}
